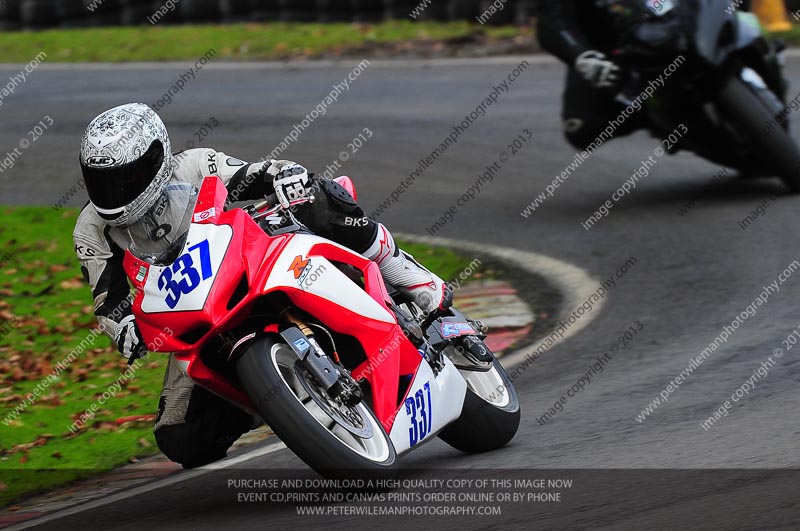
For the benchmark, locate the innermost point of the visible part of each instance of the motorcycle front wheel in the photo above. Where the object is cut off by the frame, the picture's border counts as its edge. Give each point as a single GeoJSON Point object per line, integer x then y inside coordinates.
{"type": "Point", "coordinates": [751, 113]}
{"type": "Point", "coordinates": [334, 439]}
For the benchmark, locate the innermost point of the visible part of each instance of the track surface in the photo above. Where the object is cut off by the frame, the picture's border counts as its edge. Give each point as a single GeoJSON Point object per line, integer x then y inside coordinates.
{"type": "Point", "coordinates": [694, 273]}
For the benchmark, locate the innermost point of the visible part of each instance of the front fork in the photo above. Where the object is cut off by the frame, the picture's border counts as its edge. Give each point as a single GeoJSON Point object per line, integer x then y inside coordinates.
{"type": "Point", "coordinates": [327, 370]}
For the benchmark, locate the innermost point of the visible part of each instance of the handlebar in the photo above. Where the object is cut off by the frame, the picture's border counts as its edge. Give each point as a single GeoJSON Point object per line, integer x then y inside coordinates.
{"type": "Point", "coordinates": [271, 205]}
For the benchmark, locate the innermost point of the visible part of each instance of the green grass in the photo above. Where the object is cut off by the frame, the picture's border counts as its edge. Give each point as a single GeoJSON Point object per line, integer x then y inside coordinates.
{"type": "Point", "coordinates": [230, 41]}
{"type": "Point", "coordinates": [45, 313]}
{"type": "Point", "coordinates": [45, 302]}
{"type": "Point", "coordinates": [792, 37]}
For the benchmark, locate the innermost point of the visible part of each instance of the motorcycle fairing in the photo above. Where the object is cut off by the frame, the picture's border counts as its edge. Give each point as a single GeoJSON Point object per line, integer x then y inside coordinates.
{"type": "Point", "coordinates": [304, 268]}
{"type": "Point", "coordinates": [432, 402]}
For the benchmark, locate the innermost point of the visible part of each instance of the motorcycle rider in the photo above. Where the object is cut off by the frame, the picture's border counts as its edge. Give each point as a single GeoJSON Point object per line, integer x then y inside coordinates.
{"type": "Point", "coordinates": [582, 34]}
{"type": "Point", "coordinates": [127, 166]}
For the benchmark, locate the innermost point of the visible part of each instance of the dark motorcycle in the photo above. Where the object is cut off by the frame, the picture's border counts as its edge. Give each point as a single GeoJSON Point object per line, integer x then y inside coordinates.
{"type": "Point", "coordinates": [728, 92]}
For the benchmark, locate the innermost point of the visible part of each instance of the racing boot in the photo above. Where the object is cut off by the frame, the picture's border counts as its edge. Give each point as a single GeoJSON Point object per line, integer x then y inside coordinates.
{"type": "Point", "coordinates": [399, 269]}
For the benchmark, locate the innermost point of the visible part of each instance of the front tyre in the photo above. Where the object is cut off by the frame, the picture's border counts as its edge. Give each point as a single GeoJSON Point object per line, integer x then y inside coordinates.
{"type": "Point", "coordinates": [313, 427]}
{"type": "Point", "coordinates": [752, 111]}
{"type": "Point", "coordinates": [491, 413]}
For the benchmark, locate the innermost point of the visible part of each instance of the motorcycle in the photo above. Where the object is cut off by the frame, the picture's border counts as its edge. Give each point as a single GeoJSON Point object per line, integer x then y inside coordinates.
{"type": "Point", "coordinates": [728, 95]}
{"type": "Point", "coordinates": [347, 371]}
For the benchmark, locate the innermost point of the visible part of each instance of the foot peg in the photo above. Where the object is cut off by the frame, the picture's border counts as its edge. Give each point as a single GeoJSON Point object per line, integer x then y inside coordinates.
{"type": "Point", "coordinates": [472, 354]}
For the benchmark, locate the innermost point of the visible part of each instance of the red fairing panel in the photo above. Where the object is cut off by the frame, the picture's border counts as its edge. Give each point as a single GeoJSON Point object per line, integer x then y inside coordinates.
{"type": "Point", "coordinates": [181, 306]}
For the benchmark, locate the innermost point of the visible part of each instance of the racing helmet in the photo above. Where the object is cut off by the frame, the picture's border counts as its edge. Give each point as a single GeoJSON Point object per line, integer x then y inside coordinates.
{"type": "Point", "coordinates": [126, 161]}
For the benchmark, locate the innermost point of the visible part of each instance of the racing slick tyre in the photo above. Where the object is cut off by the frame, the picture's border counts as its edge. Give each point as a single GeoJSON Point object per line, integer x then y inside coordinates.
{"type": "Point", "coordinates": [71, 13]}
{"type": "Point", "coordinates": [463, 9]}
{"type": "Point", "coordinates": [234, 10]}
{"type": "Point", "coordinates": [335, 440]}
{"type": "Point", "coordinates": [38, 13]}
{"type": "Point", "coordinates": [751, 110]}
{"type": "Point", "coordinates": [9, 15]}
{"type": "Point", "coordinates": [135, 12]}
{"type": "Point", "coordinates": [499, 18]}
{"type": "Point", "coordinates": [195, 10]}
{"type": "Point", "coordinates": [491, 413]}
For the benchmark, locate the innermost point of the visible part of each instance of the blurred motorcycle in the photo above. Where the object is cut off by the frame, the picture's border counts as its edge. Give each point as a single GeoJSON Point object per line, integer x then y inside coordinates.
{"type": "Point", "coordinates": [727, 93]}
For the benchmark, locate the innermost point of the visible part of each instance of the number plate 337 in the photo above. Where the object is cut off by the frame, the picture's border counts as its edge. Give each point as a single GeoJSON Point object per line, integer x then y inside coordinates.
{"type": "Point", "coordinates": [185, 285]}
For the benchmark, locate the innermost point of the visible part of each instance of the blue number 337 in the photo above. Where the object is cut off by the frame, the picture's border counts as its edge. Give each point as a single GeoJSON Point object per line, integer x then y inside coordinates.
{"type": "Point", "coordinates": [418, 407]}
{"type": "Point", "coordinates": [183, 276]}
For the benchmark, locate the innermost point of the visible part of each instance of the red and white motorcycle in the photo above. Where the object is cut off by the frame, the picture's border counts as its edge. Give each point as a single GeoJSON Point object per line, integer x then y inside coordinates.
{"type": "Point", "coordinates": [305, 333]}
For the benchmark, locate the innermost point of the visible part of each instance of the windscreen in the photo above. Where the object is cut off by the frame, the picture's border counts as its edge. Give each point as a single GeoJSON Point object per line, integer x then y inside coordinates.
{"type": "Point", "coordinates": [159, 235]}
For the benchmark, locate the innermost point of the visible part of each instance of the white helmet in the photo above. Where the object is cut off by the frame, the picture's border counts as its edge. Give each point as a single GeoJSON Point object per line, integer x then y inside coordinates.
{"type": "Point", "coordinates": [126, 160]}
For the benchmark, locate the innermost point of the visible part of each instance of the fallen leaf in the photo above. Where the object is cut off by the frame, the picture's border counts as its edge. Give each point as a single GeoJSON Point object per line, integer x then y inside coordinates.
{"type": "Point", "coordinates": [73, 283]}
{"type": "Point", "coordinates": [12, 398]}
{"type": "Point", "coordinates": [17, 375]}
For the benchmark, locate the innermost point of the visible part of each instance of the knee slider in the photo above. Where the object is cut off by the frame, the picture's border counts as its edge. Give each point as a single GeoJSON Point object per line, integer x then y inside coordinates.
{"type": "Point", "coordinates": [339, 197]}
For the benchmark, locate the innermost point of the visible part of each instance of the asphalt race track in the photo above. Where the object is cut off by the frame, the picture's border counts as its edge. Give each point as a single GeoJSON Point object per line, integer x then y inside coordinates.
{"type": "Point", "coordinates": [693, 275]}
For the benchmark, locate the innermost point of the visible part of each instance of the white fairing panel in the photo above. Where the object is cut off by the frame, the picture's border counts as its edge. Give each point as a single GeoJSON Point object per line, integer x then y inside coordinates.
{"type": "Point", "coordinates": [186, 284]}
{"type": "Point", "coordinates": [323, 279]}
{"type": "Point", "coordinates": [431, 404]}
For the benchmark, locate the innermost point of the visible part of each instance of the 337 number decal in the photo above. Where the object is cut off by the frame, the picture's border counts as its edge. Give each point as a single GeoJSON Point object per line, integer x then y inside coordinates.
{"type": "Point", "coordinates": [183, 277]}
{"type": "Point", "coordinates": [418, 407]}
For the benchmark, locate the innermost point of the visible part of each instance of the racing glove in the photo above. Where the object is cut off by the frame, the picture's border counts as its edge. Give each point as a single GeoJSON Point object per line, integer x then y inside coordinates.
{"type": "Point", "coordinates": [129, 339]}
{"type": "Point", "coordinates": [598, 70]}
{"type": "Point", "coordinates": [290, 180]}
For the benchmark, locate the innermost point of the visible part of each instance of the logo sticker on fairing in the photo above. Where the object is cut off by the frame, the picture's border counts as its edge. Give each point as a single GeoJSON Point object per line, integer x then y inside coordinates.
{"type": "Point", "coordinates": [205, 214]}
{"type": "Point", "coordinates": [299, 267]}
{"type": "Point", "coordinates": [140, 276]}
{"type": "Point", "coordinates": [457, 329]}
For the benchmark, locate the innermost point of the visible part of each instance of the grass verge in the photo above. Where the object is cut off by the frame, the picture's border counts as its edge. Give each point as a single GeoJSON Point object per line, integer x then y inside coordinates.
{"type": "Point", "coordinates": [268, 41]}
{"type": "Point", "coordinates": [45, 314]}
{"type": "Point", "coordinates": [792, 37]}
{"type": "Point", "coordinates": [274, 41]}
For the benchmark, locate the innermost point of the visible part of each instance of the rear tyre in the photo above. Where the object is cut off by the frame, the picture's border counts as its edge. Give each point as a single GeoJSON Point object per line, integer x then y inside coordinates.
{"type": "Point", "coordinates": [752, 113]}
{"type": "Point", "coordinates": [491, 413]}
{"type": "Point", "coordinates": [38, 14]}
{"type": "Point", "coordinates": [273, 378]}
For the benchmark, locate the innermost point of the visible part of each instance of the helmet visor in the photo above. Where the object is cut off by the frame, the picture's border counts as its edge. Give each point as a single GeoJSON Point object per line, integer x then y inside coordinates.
{"type": "Point", "coordinates": [114, 187]}
{"type": "Point", "coordinates": [158, 236]}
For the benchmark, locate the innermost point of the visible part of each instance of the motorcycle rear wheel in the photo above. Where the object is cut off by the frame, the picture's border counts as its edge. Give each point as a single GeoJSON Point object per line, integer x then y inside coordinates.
{"type": "Point", "coordinates": [271, 375]}
{"type": "Point", "coordinates": [491, 414]}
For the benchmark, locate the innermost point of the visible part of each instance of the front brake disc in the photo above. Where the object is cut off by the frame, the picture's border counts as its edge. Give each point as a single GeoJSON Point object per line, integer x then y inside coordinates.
{"type": "Point", "coordinates": [346, 417]}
